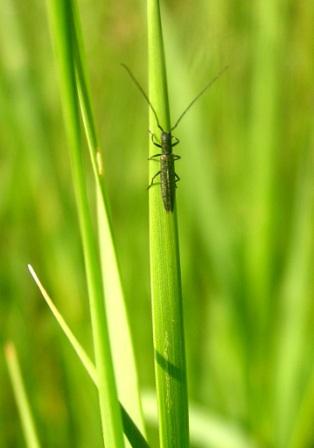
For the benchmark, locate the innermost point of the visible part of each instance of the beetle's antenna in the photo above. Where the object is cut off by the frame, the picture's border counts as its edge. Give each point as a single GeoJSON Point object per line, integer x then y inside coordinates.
{"type": "Point", "coordinates": [211, 82]}
{"type": "Point", "coordinates": [143, 93]}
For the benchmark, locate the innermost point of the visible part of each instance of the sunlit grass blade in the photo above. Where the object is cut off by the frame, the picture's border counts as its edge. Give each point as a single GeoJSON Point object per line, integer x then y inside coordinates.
{"type": "Point", "coordinates": [27, 420]}
{"type": "Point", "coordinates": [168, 330]}
{"type": "Point", "coordinates": [85, 360]}
{"type": "Point", "coordinates": [60, 14]}
{"type": "Point", "coordinates": [131, 430]}
{"type": "Point", "coordinates": [120, 335]}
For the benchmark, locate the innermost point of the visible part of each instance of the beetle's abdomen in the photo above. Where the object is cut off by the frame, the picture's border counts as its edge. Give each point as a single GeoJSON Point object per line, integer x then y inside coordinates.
{"type": "Point", "coordinates": [167, 181]}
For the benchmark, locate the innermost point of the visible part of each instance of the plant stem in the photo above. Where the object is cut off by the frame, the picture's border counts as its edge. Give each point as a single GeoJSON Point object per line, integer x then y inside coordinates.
{"type": "Point", "coordinates": [168, 330]}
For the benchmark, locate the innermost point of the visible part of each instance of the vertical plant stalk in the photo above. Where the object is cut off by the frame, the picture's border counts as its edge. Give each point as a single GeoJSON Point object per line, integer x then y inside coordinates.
{"type": "Point", "coordinates": [22, 402]}
{"type": "Point", "coordinates": [60, 17]}
{"type": "Point", "coordinates": [168, 329]}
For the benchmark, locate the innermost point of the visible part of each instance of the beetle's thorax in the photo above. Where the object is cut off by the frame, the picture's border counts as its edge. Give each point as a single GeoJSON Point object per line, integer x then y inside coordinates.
{"type": "Point", "coordinates": [166, 142]}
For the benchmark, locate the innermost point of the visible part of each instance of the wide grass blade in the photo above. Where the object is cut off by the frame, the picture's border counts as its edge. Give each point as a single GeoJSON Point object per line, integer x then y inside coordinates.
{"type": "Point", "coordinates": [168, 331]}
{"type": "Point", "coordinates": [60, 13]}
{"type": "Point", "coordinates": [27, 420]}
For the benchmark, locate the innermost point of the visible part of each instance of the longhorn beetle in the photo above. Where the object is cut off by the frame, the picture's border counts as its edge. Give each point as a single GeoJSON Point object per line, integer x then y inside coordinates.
{"type": "Point", "coordinates": [168, 176]}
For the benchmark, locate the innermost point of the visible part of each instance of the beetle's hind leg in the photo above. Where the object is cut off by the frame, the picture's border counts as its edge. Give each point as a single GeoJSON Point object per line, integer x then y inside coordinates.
{"type": "Point", "coordinates": [152, 181]}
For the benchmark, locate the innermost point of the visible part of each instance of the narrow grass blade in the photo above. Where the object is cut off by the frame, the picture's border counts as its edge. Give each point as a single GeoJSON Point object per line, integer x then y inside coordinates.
{"type": "Point", "coordinates": [85, 360]}
{"type": "Point", "coordinates": [132, 432]}
{"type": "Point", "coordinates": [21, 399]}
{"type": "Point", "coordinates": [60, 17]}
{"type": "Point", "coordinates": [168, 330]}
{"type": "Point", "coordinates": [119, 329]}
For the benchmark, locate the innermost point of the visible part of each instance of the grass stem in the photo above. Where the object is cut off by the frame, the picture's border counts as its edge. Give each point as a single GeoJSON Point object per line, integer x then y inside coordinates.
{"type": "Point", "coordinates": [168, 330]}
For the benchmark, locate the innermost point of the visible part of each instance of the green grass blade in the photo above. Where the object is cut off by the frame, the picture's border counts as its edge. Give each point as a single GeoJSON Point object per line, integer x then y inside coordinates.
{"type": "Point", "coordinates": [60, 14]}
{"type": "Point", "coordinates": [120, 334]}
{"type": "Point", "coordinates": [85, 360]}
{"type": "Point", "coordinates": [168, 331]}
{"type": "Point", "coordinates": [132, 432]}
{"type": "Point", "coordinates": [22, 402]}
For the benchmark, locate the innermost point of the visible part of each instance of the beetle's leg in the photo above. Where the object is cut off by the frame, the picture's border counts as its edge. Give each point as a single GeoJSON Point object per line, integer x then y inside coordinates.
{"type": "Point", "coordinates": [177, 177]}
{"type": "Point", "coordinates": [155, 142]}
{"type": "Point", "coordinates": [152, 181]}
{"type": "Point", "coordinates": [176, 157]}
{"type": "Point", "coordinates": [154, 157]}
{"type": "Point", "coordinates": [175, 142]}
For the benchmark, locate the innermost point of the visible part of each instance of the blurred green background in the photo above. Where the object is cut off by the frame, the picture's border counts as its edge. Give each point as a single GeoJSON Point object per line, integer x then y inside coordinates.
{"type": "Point", "coordinates": [245, 210]}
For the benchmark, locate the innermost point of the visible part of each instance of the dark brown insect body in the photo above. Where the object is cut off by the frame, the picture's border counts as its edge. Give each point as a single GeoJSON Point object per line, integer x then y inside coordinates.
{"type": "Point", "coordinates": [168, 176]}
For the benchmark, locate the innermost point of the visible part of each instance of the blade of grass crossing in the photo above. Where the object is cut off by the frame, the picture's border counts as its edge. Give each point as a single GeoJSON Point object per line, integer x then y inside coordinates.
{"type": "Point", "coordinates": [120, 335]}
{"type": "Point", "coordinates": [131, 431]}
{"type": "Point", "coordinates": [168, 331]}
{"type": "Point", "coordinates": [22, 402]}
{"type": "Point", "coordinates": [60, 16]}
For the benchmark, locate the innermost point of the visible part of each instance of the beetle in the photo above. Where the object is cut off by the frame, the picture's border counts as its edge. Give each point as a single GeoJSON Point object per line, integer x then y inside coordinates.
{"type": "Point", "coordinates": [168, 176]}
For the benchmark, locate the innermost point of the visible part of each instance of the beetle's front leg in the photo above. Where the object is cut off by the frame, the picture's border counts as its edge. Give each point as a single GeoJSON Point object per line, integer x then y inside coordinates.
{"type": "Point", "coordinates": [155, 142]}
{"type": "Point", "coordinates": [176, 141]}
{"type": "Point", "coordinates": [154, 157]}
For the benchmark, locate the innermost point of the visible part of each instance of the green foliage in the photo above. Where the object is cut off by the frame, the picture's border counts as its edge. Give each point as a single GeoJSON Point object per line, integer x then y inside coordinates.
{"type": "Point", "coordinates": [244, 210]}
